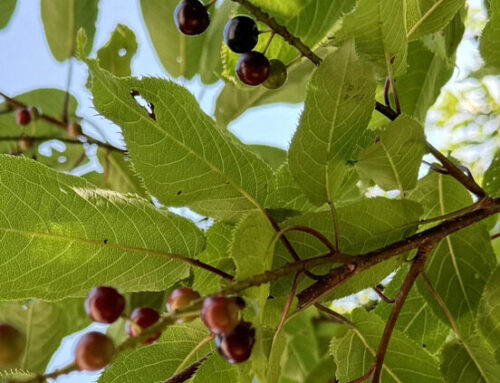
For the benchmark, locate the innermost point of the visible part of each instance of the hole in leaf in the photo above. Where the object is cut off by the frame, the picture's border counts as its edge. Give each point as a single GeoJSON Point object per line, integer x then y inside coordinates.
{"type": "Point", "coordinates": [105, 241]}
{"type": "Point", "coordinates": [122, 52]}
{"type": "Point", "coordinates": [143, 103]}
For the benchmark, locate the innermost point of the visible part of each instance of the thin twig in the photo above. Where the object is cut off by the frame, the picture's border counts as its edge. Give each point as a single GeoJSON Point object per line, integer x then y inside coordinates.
{"type": "Point", "coordinates": [382, 296]}
{"type": "Point", "coordinates": [335, 315]}
{"type": "Point", "coordinates": [495, 236]}
{"type": "Point", "coordinates": [71, 141]}
{"type": "Point", "coordinates": [415, 270]}
{"type": "Point", "coordinates": [289, 302]}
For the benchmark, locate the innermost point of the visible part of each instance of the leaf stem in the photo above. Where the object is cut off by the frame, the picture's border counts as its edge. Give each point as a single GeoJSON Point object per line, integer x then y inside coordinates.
{"type": "Point", "coordinates": [382, 296]}
{"type": "Point", "coordinates": [192, 353]}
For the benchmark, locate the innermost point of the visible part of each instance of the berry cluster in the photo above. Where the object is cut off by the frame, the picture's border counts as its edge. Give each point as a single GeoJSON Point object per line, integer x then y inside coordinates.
{"type": "Point", "coordinates": [241, 36]}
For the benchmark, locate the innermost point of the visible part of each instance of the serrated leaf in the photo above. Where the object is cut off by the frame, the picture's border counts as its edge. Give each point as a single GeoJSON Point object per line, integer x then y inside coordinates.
{"type": "Point", "coordinates": [200, 166]}
{"type": "Point", "coordinates": [491, 180]}
{"type": "Point", "coordinates": [488, 316]}
{"type": "Point", "coordinates": [60, 239]}
{"type": "Point", "coordinates": [490, 44]}
{"type": "Point", "coordinates": [428, 16]}
{"type": "Point", "coordinates": [383, 222]}
{"type": "Point", "coordinates": [234, 100]}
{"type": "Point", "coordinates": [44, 325]}
{"type": "Point", "coordinates": [332, 129]}
{"type": "Point", "coordinates": [62, 19]}
{"type": "Point", "coordinates": [470, 362]}
{"type": "Point", "coordinates": [7, 8]}
{"type": "Point", "coordinates": [461, 263]}
{"type": "Point", "coordinates": [117, 174]}
{"type": "Point", "coordinates": [216, 369]}
{"type": "Point", "coordinates": [217, 254]}
{"type": "Point", "coordinates": [274, 157]}
{"type": "Point", "coordinates": [421, 85]}
{"type": "Point", "coordinates": [184, 55]}
{"type": "Point", "coordinates": [378, 26]}
{"type": "Point", "coordinates": [405, 361]}
{"type": "Point", "coordinates": [159, 361]}
{"type": "Point", "coordinates": [416, 320]}
{"type": "Point", "coordinates": [116, 55]}
{"type": "Point", "coordinates": [393, 161]}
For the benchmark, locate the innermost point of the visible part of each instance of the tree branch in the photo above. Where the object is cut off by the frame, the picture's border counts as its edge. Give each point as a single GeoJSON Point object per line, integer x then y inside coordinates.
{"type": "Point", "coordinates": [415, 270]}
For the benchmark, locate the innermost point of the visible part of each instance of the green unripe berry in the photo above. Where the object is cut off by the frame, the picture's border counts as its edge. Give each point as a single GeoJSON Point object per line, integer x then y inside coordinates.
{"type": "Point", "coordinates": [277, 75]}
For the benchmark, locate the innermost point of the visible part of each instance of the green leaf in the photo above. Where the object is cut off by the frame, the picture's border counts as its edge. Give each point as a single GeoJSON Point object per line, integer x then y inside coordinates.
{"type": "Point", "coordinates": [62, 19]}
{"type": "Point", "coordinates": [491, 180]}
{"type": "Point", "coordinates": [117, 174]}
{"type": "Point", "coordinates": [200, 166]}
{"type": "Point", "coordinates": [216, 369]}
{"type": "Point", "coordinates": [378, 27]}
{"type": "Point", "coordinates": [159, 361]}
{"type": "Point", "coordinates": [490, 44]}
{"type": "Point", "coordinates": [428, 16]}
{"type": "Point", "coordinates": [405, 361]}
{"type": "Point", "coordinates": [234, 100]}
{"type": "Point", "coordinates": [217, 254]}
{"type": "Point", "coordinates": [338, 107]}
{"type": "Point", "coordinates": [416, 320]}
{"type": "Point", "coordinates": [44, 325]}
{"type": "Point", "coordinates": [461, 263]}
{"type": "Point", "coordinates": [469, 362]}
{"type": "Point", "coordinates": [274, 157]}
{"type": "Point", "coordinates": [421, 85]}
{"type": "Point", "coordinates": [184, 55]}
{"type": "Point", "coordinates": [117, 54]}
{"type": "Point", "coordinates": [393, 161]}
{"type": "Point", "coordinates": [384, 221]}
{"type": "Point", "coordinates": [488, 317]}
{"type": "Point", "coordinates": [61, 238]}
{"type": "Point", "coordinates": [7, 8]}
{"type": "Point", "coordinates": [290, 195]}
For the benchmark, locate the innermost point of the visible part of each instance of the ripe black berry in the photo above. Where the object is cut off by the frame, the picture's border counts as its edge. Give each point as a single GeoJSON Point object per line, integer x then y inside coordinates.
{"type": "Point", "coordinates": [94, 351]}
{"type": "Point", "coordinates": [253, 68]}
{"type": "Point", "coordinates": [104, 304]}
{"type": "Point", "coordinates": [74, 130]}
{"type": "Point", "coordinates": [180, 298]}
{"type": "Point", "coordinates": [277, 75]}
{"type": "Point", "coordinates": [191, 17]}
{"type": "Point", "coordinates": [241, 34]}
{"type": "Point", "coordinates": [12, 344]}
{"type": "Point", "coordinates": [236, 347]}
{"type": "Point", "coordinates": [23, 117]}
{"type": "Point", "coordinates": [144, 317]}
{"type": "Point", "coordinates": [220, 314]}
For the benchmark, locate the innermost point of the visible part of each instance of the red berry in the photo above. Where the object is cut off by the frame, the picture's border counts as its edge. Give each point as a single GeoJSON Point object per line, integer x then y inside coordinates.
{"type": "Point", "coordinates": [220, 314]}
{"type": "Point", "coordinates": [94, 351]}
{"type": "Point", "coordinates": [181, 298]}
{"type": "Point", "coordinates": [241, 34]}
{"type": "Point", "coordinates": [236, 347]}
{"type": "Point", "coordinates": [104, 304]}
{"type": "Point", "coordinates": [253, 68]}
{"type": "Point", "coordinates": [12, 344]}
{"type": "Point", "coordinates": [23, 117]}
{"type": "Point", "coordinates": [74, 130]}
{"type": "Point", "coordinates": [191, 17]}
{"type": "Point", "coordinates": [144, 317]}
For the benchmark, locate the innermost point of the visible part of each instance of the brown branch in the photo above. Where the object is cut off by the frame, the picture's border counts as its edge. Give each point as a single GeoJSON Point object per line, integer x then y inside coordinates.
{"type": "Point", "coordinates": [465, 179]}
{"type": "Point", "coordinates": [415, 270]}
{"type": "Point", "coordinates": [314, 233]}
{"type": "Point", "coordinates": [341, 274]}
{"type": "Point", "coordinates": [188, 372]}
{"type": "Point", "coordinates": [495, 236]}
{"type": "Point", "coordinates": [382, 296]}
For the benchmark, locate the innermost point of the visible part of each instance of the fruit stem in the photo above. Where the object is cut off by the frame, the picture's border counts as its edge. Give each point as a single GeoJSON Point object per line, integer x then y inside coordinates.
{"type": "Point", "coordinates": [269, 41]}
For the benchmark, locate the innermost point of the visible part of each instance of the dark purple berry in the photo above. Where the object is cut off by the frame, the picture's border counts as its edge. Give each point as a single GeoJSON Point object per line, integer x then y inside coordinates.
{"type": "Point", "coordinates": [143, 317]}
{"type": "Point", "coordinates": [277, 75]}
{"type": "Point", "coordinates": [191, 17]}
{"type": "Point", "coordinates": [12, 344]}
{"type": "Point", "coordinates": [241, 34]}
{"type": "Point", "coordinates": [220, 314]}
{"type": "Point", "coordinates": [94, 351]}
{"type": "Point", "coordinates": [253, 68]}
{"type": "Point", "coordinates": [236, 347]}
{"type": "Point", "coordinates": [23, 117]}
{"type": "Point", "coordinates": [104, 304]}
